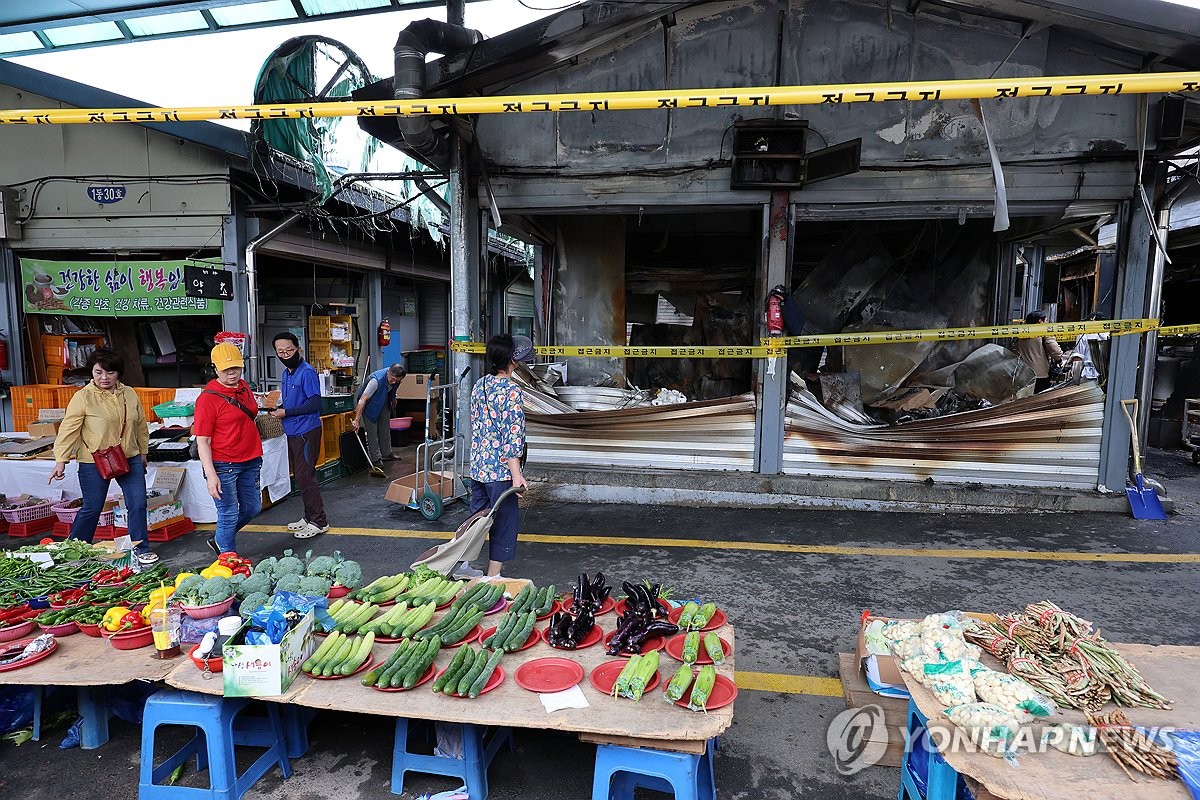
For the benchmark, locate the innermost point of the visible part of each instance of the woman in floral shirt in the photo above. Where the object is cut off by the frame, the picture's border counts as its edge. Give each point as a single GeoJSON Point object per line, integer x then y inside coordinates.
{"type": "Point", "coordinates": [497, 444]}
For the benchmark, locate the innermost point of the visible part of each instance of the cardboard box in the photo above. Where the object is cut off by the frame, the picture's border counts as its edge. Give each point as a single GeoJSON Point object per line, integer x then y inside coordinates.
{"type": "Point", "coordinates": [51, 414]}
{"type": "Point", "coordinates": [158, 517]}
{"type": "Point", "coordinates": [37, 429]}
{"type": "Point", "coordinates": [161, 506]}
{"type": "Point", "coordinates": [167, 481]}
{"type": "Point", "coordinates": [415, 385]}
{"type": "Point", "coordinates": [889, 668]}
{"type": "Point", "coordinates": [407, 491]}
{"type": "Point", "coordinates": [267, 669]}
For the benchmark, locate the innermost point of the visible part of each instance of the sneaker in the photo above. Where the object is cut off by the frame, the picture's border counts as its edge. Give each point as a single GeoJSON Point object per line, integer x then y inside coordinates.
{"type": "Point", "coordinates": [490, 578]}
{"type": "Point", "coordinates": [212, 545]}
{"type": "Point", "coordinates": [298, 525]}
{"type": "Point", "coordinates": [311, 530]}
{"type": "Point", "coordinates": [465, 570]}
{"type": "Point", "coordinates": [147, 558]}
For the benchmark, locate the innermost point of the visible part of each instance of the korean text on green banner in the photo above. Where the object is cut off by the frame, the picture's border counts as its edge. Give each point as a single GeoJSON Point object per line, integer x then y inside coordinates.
{"type": "Point", "coordinates": [110, 289]}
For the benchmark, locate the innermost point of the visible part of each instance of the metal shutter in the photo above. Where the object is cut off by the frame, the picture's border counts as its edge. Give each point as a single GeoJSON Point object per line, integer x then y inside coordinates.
{"type": "Point", "coordinates": [433, 313]}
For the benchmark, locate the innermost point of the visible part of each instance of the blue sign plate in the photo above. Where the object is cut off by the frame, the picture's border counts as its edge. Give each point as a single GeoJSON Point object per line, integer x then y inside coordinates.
{"type": "Point", "coordinates": [112, 193]}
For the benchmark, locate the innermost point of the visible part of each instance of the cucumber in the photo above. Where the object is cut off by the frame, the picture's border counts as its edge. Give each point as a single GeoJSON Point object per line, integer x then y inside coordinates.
{"type": "Point", "coordinates": [488, 668]}
{"type": "Point", "coordinates": [455, 666]}
{"type": "Point", "coordinates": [679, 684]}
{"type": "Point", "coordinates": [359, 656]}
{"type": "Point", "coordinates": [522, 631]}
{"type": "Point", "coordinates": [467, 680]}
{"type": "Point", "coordinates": [689, 611]}
{"type": "Point", "coordinates": [712, 646]}
{"type": "Point", "coordinates": [327, 666]}
{"type": "Point", "coordinates": [333, 609]}
{"type": "Point", "coordinates": [447, 594]}
{"type": "Point", "coordinates": [546, 602]}
{"type": "Point", "coordinates": [502, 632]}
{"type": "Point", "coordinates": [703, 616]}
{"type": "Point", "coordinates": [468, 595]}
{"type": "Point", "coordinates": [455, 635]}
{"type": "Point", "coordinates": [420, 664]}
{"type": "Point", "coordinates": [490, 597]}
{"type": "Point", "coordinates": [330, 641]}
{"type": "Point", "coordinates": [420, 620]}
{"type": "Point", "coordinates": [406, 653]}
{"type": "Point", "coordinates": [374, 675]}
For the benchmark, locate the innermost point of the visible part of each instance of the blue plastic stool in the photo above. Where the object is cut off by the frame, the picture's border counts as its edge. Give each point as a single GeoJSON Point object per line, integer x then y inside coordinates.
{"type": "Point", "coordinates": [619, 770]}
{"type": "Point", "coordinates": [224, 726]}
{"type": "Point", "coordinates": [478, 751]}
{"type": "Point", "coordinates": [295, 721]}
{"type": "Point", "coordinates": [924, 773]}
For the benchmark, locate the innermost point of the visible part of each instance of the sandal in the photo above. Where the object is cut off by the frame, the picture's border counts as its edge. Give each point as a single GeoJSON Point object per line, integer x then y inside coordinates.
{"type": "Point", "coordinates": [310, 531]}
{"type": "Point", "coordinates": [298, 525]}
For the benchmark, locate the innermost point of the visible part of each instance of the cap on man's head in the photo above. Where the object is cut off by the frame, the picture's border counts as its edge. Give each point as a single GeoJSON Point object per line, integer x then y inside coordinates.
{"type": "Point", "coordinates": [226, 355]}
{"type": "Point", "coordinates": [522, 349]}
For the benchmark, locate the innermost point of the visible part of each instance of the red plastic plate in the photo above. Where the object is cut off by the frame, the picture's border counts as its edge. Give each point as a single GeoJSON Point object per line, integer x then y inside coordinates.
{"type": "Point", "coordinates": [608, 605]}
{"type": "Point", "coordinates": [368, 663]}
{"type": "Point", "coordinates": [718, 618]}
{"type": "Point", "coordinates": [15, 647]}
{"type": "Point", "coordinates": [723, 693]}
{"type": "Point", "coordinates": [471, 636]}
{"type": "Point", "coordinates": [605, 676]}
{"type": "Point", "coordinates": [494, 681]}
{"type": "Point", "coordinates": [425, 678]}
{"type": "Point", "coordinates": [555, 607]}
{"type": "Point", "coordinates": [535, 636]}
{"type": "Point", "coordinates": [594, 636]}
{"type": "Point", "coordinates": [653, 643]}
{"type": "Point", "coordinates": [550, 674]}
{"type": "Point", "coordinates": [674, 649]}
{"type": "Point", "coordinates": [622, 606]}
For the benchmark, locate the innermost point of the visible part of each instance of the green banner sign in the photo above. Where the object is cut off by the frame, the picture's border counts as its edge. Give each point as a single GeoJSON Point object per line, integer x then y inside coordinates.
{"type": "Point", "coordinates": [110, 289]}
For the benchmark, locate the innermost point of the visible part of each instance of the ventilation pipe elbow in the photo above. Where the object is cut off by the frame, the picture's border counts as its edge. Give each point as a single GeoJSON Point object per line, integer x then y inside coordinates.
{"type": "Point", "coordinates": [413, 44]}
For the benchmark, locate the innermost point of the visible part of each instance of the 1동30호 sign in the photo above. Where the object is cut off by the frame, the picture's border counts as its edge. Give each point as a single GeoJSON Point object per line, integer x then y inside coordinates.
{"type": "Point", "coordinates": [110, 288]}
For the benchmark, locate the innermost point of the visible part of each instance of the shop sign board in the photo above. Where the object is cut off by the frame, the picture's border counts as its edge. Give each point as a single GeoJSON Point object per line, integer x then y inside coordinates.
{"type": "Point", "coordinates": [110, 289]}
{"type": "Point", "coordinates": [215, 284]}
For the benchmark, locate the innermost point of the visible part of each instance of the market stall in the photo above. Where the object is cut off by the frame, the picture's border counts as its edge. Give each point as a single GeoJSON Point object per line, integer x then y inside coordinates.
{"type": "Point", "coordinates": [31, 476]}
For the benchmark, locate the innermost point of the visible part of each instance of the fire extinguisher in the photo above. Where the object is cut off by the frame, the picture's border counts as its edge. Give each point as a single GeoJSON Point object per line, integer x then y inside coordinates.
{"type": "Point", "coordinates": [3, 353]}
{"type": "Point", "coordinates": [775, 311]}
{"type": "Point", "coordinates": [384, 333]}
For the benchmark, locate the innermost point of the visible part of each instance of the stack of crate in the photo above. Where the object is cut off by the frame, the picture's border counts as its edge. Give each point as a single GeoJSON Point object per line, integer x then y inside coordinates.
{"type": "Point", "coordinates": [28, 401]}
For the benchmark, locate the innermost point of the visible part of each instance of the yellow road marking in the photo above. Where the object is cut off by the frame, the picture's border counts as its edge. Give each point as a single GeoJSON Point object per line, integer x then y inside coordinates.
{"type": "Point", "coordinates": [788, 684]}
{"type": "Point", "coordinates": [780, 547]}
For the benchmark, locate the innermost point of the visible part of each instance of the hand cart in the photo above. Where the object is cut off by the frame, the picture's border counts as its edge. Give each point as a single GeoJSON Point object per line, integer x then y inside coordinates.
{"type": "Point", "coordinates": [442, 457]}
{"type": "Point", "coordinates": [1191, 428]}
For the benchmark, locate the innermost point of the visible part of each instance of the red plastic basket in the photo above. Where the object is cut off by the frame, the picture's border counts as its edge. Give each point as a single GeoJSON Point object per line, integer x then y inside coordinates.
{"type": "Point", "coordinates": [29, 513]}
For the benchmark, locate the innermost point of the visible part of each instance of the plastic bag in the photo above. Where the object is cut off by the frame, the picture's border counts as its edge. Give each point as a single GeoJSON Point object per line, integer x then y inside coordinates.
{"type": "Point", "coordinates": [950, 682]}
{"type": "Point", "coordinates": [74, 736]}
{"type": "Point", "coordinates": [269, 623]}
{"type": "Point", "coordinates": [1076, 740]}
{"type": "Point", "coordinates": [942, 638]}
{"type": "Point", "coordinates": [1186, 746]}
{"type": "Point", "coordinates": [1012, 693]}
{"type": "Point", "coordinates": [16, 707]}
{"type": "Point", "coordinates": [990, 727]}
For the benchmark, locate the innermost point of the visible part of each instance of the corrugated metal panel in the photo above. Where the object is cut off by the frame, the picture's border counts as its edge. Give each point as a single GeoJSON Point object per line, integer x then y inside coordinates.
{"type": "Point", "coordinates": [518, 304]}
{"type": "Point", "coordinates": [711, 435]}
{"type": "Point", "coordinates": [1049, 440]}
{"type": "Point", "coordinates": [433, 313]}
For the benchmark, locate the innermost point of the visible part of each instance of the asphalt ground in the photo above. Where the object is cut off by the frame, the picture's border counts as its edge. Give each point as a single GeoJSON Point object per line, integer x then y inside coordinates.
{"type": "Point", "coordinates": [793, 582]}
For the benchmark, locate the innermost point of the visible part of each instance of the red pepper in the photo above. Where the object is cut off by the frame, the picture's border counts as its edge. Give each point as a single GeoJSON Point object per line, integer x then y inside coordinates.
{"type": "Point", "coordinates": [132, 621]}
{"type": "Point", "coordinates": [242, 569]}
{"type": "Point", "coordinates": [14, 612]}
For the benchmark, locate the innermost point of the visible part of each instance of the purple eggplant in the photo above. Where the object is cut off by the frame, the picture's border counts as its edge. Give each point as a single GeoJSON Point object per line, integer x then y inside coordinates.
{"type": "Point", "coordinates": [581, 627]}
{"type": "Point", "coordinates": [626, 626]}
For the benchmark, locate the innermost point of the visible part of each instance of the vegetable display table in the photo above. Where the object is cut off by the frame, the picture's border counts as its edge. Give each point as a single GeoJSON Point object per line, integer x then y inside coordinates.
{"type": "Point", "coordinates": [650, 723]}
{"type": "Point", "coordinates": [90, 664]}
{"type": "Point", "coordinates": [1173, 671]}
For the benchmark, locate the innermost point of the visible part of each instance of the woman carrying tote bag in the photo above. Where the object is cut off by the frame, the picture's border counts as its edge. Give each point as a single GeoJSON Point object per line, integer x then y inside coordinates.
{"type": "Point", "coordinates": [105, 430]}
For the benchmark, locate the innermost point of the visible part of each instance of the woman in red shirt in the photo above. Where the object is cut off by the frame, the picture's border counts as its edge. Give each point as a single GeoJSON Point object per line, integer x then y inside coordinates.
{"type": "Point", "coordinates": [230, 447]}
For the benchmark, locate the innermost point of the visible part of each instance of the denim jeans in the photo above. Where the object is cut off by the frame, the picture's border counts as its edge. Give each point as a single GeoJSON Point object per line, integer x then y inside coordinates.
{"type": "Point", "coordinates": [95, 492]}
{"type": "Point", "coordinates": [241, 499]}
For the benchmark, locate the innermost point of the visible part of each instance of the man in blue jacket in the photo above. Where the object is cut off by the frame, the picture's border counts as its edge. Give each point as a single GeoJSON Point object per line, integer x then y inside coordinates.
{"type": "Point", "coordinates": [300, 412]}
{"type": "Point", "coordinates": [376, 400]}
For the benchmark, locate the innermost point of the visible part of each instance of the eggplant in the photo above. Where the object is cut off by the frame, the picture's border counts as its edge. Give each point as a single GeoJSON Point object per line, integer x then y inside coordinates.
{"type": "Point", "coordinates": [661, 627]}
{"type": "Point", "coordinates": [626, 626]}
{"type": "Point", "coordinates": [581, 627]}
{"type": "Point", "coordinates": [559, 631]}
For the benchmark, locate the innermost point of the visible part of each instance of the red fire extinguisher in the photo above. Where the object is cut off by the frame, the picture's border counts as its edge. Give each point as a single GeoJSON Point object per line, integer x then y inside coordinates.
{"type": "Point", "coordinates": [384, 333]}
{"type": "Point", "coordinates": [775, 311]}
{"type": "Point", "coordinates": [3, 353]}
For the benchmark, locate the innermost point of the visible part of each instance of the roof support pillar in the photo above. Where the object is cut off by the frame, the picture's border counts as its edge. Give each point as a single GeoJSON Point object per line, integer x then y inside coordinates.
{"type": "Point", "coordinates": [779, 223]}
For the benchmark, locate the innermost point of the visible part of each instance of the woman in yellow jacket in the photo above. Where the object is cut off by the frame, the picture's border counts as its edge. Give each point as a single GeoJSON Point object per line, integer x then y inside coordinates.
{"type": "Point", "coordinates": [102, 414]}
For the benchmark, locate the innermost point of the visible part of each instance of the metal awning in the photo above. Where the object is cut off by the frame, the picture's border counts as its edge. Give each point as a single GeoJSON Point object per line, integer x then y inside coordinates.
{"type": "Point", "coordinates": [30, 27]}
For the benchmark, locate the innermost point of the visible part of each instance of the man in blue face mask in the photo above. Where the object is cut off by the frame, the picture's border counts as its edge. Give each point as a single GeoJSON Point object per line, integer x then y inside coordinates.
{"type": "Point", "coordinates": [300, 413]}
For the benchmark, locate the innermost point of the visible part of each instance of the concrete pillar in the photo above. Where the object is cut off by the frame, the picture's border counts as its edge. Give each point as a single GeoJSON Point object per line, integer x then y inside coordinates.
{"type": "Point", "coordinates": [463, 272]}
{"type": "Point", "coordinates": [373, 294]}
{"type": "Point", "coordinates": [772, 377]}
{"type": "Point", "coordinates": [234, 238]}
{"type": "Point", "coordinates": [589, 294]}
{"type": "Point", "coordinates": [1134, 239]}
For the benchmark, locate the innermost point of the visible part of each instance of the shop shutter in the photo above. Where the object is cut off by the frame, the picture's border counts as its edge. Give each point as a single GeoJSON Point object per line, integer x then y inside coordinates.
{"type": "Point", "coordinates": [517, 304]}
{"type": "Point", "coordinates": [433, 311]}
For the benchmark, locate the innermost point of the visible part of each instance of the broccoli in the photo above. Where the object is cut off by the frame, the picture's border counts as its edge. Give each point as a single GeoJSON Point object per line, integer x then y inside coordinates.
{"type": "Point", "coordinates": [253, 602]}
{"type": "Point", "coordinates": [288, 583]}
{"type": "Point", "coordinates": [236, 581]}
{"type": "Point", "coordinates": [189, 586]}
{"type": "Point", "coordinates": [256, 583]}
{"type": "Point", "coordinates": [215, 590]}
{"type": "Point", "coordinates": [322, 566]}
{"type": "Point", "coordinates": [266, 566]}
{"type": "Point", "coordinates": [315, 586]}
{"type": "Point", "coordinates": [288, 565]}
{"type": "Point", "coordinates": [348, 574]}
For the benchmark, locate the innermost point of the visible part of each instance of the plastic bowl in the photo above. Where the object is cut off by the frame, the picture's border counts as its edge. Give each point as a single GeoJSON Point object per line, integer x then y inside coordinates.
{"type": "Point", "coordinates": [214, 664]}
{"type": "Point", "coordinates": [211, 610]}
{"type": "Point", "coordinates": [338, 591]}
{"type": "Point", "coordinates": [66, 629]}
{"type": "Point", "coordinates": [40, 602]}
{"type": "Point", "coordinates": [91, 629]}
{"type": "Point", "coordinates": [132, 640]}
{"type": "Point", "coordinates": [15, 632]}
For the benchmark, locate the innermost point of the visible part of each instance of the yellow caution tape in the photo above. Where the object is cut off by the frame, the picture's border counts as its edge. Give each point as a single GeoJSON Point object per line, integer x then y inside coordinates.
{"type": "Point", "coordinates": [1116, 327]}
{"type": "Point", "coordinates": [834, 94]}
{"type": "Point", "coordinates": [1178, 330]}
{"type": "Point", "coordinates": [777, 346]}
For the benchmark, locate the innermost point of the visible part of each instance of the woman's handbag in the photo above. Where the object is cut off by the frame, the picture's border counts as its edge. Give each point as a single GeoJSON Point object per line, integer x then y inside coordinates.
{"type": "Point", "coordinates": [111, 461]}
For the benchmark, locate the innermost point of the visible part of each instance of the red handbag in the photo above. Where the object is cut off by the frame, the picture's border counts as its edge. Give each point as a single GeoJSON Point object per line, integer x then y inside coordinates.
{"type": "Point", "coordinates": [111, 461]}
